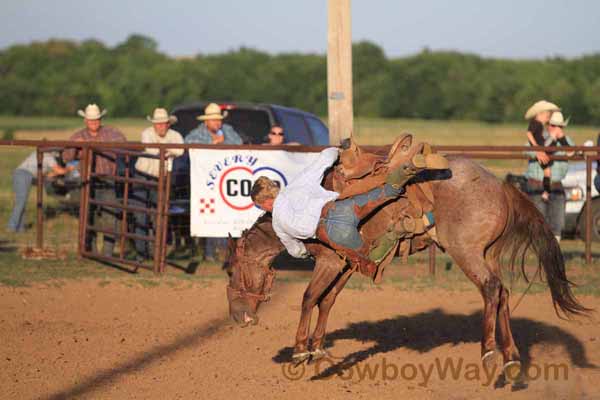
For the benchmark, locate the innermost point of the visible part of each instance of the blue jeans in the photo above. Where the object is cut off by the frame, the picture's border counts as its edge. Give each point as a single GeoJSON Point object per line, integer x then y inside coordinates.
{"type": "Point", "coordinates": [22, 180]}
{"type": "Point", "coordinates": [553, 210]}
{"type": "Point", "coordinates": [342, 220]}
{"type": "Point", "coordinates": [104, 217]}
{"type": "Point", "coordinates": [143, 196]}
{"type": "Point", "coordinates": [211, 245]}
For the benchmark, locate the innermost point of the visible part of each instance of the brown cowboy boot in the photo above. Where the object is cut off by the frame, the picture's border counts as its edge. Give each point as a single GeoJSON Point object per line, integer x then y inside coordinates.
{"type": "Point", "coordinates": [402, 174]}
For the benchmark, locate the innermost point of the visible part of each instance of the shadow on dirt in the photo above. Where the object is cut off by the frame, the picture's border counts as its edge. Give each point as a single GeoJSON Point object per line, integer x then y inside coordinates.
{"type": "Point", "coordinates": [108, 376]}
{"type": "Point", "coordinates": [425, 331]}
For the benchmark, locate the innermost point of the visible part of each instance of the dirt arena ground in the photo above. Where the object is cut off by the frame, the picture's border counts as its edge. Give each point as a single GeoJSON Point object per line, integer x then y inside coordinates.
{"type": "Point", "coordinates": [94, 339]}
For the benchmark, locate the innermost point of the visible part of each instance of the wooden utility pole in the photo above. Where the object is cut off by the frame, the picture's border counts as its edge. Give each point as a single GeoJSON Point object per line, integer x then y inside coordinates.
{"type": "Point", "coordinates": [339, 70]}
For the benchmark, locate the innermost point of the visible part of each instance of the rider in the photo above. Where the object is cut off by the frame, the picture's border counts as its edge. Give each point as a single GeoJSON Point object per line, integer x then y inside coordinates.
{"type": "Point", "coordinates": [304, 208]}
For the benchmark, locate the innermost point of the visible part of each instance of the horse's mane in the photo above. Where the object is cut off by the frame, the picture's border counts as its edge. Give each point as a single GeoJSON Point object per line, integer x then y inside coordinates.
{"type": "Point", "coordinates": [262, 228]}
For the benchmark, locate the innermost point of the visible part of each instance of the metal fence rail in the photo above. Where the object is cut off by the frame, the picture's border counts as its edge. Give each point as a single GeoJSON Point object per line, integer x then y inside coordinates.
{"type": "Point", "coordinates": [163, 184]}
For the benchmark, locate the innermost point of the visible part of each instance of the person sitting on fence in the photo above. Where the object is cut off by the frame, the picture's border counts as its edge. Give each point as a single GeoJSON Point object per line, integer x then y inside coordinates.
{"type": "Point", "coordinates": [552, 208]}
{"type": "Point", "coordinates": [213, 131]}
{"type": "Point", "coordinates": [102, 163]}
{"type": "Point", "coordinates": [538, 116]}
{"type": "Point", "coordinates": [147, 169]}
{"type": "Point", "coordinates": [23, 177]}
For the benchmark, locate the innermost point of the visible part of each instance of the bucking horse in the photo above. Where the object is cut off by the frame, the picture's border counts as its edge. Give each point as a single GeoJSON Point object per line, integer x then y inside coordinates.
{"type": "Point", "coordinates": [485, 225]}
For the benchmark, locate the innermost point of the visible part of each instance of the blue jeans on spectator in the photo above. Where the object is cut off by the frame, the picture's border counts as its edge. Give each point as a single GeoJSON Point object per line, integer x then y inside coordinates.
{"type": "Point", "coordinates": [553, 210]}
{"type": "Point", "coordinates": [597, 181]}
{"type": "Point", "coordinates": [103, 217]}
{"type": "Point", "coordinates": [22, 180]}
{"type": "Point", "coordinates": [146, 197]}
{"type": "Point", "coordinates": [211, 245]}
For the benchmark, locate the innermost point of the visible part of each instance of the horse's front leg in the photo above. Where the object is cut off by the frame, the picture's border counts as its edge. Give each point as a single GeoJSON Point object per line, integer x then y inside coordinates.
{"type": "Point", "coordinates": [323, 275]}
{"type": "Point", "coordinates": [325, 306]}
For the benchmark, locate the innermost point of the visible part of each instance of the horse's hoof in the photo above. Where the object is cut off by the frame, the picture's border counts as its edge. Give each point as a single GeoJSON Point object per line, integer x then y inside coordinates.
{"type": "Point", "coordinates": [299, 358]}
{"type": "Point", "coordinates": [317, 355]}
{"type": "Point", "coordinates": [512, 370]}
{"type": "Point", "coordinates": [490, 360]}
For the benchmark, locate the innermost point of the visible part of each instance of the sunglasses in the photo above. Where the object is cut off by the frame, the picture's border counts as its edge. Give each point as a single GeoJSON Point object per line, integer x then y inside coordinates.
{"type": "Point", "coordinates": [276, 133]}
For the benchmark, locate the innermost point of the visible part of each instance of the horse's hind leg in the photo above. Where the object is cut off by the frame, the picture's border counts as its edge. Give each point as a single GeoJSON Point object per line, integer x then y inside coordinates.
{"type": "Point", "coordinates": [323, 276]}
{"type": "Point", "coordinates": [482, 275]}
{"type": "Point", "coordinates": [325, 306]}
{"type": "Point", "coordinates": [510, 352]}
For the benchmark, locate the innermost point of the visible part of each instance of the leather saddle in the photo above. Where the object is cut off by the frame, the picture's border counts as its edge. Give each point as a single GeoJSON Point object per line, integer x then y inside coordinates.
{"type": "Point", "coordinates": [401, 226]}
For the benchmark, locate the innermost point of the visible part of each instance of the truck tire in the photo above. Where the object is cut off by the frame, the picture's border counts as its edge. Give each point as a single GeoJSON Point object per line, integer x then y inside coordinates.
{"type": "Point", "coordinates": [595, 221]}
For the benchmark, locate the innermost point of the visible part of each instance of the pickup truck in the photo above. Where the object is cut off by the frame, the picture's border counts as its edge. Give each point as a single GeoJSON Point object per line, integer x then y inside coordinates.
{"type": "Point", "coordinates": [253, 122]}
{"type": "Point", "coordinates": [574, 185]}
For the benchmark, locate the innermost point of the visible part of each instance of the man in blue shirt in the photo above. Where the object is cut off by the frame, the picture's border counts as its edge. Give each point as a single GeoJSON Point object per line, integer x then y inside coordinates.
{"type": "Point", "coordinates": [213, 131]}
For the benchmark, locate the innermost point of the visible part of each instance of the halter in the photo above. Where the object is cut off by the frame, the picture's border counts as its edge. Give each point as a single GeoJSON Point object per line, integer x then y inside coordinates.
{"type": "Point", "coordinates": [243, 292]}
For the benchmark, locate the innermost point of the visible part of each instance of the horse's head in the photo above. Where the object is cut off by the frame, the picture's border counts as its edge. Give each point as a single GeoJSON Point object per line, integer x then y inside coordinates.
{"type": "Point", "coordinates": [252, 275]}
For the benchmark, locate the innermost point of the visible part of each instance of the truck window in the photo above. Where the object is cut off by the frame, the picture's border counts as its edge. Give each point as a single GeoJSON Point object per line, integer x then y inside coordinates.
{"type": "Point", "coordinates": [252, 125]}
{"type": "Point", "coordinates": [295, 129]}
{"type": "Point", "coordinates": [320, 132]}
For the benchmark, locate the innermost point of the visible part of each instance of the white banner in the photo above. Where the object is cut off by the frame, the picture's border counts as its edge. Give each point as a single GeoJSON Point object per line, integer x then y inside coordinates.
{"type": "Point", "coordinates": [221, 181]}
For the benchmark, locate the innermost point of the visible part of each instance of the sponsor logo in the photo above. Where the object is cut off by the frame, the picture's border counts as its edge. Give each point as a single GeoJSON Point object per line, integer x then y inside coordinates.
{"type": "Point", "coordinates": [233, 178]}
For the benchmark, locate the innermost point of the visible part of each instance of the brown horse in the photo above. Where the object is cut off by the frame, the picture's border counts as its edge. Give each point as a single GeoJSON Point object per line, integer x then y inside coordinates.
{"type": "Point", "coordinates": [480, 220]}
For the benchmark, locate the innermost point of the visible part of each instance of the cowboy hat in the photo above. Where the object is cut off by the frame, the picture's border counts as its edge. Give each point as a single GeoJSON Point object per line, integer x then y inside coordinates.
{"type": "Point", "coordinates": [539, 107]}
{"type": "Point", "coordinates": [212, 111]}
{"type": "Point", "coordinates": [557, 119]}
{"type": "Point", "coordinates": [160, 115]}
{"type": "Point", "coordinates": [92, 111]}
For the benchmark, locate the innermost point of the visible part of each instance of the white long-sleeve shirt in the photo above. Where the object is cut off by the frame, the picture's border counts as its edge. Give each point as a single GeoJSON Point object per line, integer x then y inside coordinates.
{"type": "Point", "coordinates": [297, 208]}
{"type": "Point", "coordinates": [151, 166]}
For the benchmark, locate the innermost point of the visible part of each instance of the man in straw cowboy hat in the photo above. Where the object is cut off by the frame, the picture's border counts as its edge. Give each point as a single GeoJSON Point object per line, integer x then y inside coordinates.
{"type": "Point", "coordinates": [103, 163]}
{"type": "Point", "coordinates": [213, 131]}
{"type": "Point", "coordinates": [539, 115]}
{"type": "Point", "coordinates": [148, 169]}
{"type": "Point", "coordinates": [552, 208]}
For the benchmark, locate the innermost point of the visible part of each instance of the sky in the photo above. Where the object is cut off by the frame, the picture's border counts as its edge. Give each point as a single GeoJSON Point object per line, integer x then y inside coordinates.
{"type": "Point", "coordinates": [503, 29]}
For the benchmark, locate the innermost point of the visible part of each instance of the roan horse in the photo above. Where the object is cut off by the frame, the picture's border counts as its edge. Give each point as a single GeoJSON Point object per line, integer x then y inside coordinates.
{"type": "Point", "coordinates": [480, 221]}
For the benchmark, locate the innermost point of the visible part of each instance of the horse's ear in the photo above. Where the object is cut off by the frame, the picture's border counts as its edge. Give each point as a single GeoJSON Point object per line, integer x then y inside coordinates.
{"type": "Point", "coordinates": [230, 243]}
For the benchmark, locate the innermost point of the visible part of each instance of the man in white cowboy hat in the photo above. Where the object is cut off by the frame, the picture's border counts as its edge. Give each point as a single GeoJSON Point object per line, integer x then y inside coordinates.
{"type": "Point", "coordinates": [105, 164]}
{"type": "Point", "coordinates": [539, 115]}
{"type": "Point", "coordinates": [553, 208]}
{"type": "Point", "coordinates": [159, 132]}
{"type": "Point", "coordinates": [213, 131]}
{"type": "Point", "coordinates": [148, 169]}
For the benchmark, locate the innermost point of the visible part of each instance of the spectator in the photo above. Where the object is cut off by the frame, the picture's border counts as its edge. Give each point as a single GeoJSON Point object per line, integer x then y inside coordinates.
{"type": "Point", "coordinates": [538, 116]}
{"type": "Point", "coordinates": [597, 178]}
{"type": "Point", "coordinates": [104, 164]}
{"type": "Point", "coordinates": [276, 137]}
{"type": "Point", "coordinates": [147, 169]}
{"type": "Point", "coordinates": [553, 209]}
{"type": "Point", "coordinates": [23, 177]}
{"type": "Point", "coordinates": [213, 131]}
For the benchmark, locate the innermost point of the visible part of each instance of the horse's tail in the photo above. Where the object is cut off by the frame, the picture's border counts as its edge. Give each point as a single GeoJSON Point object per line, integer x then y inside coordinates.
{"type": "Point", "coordinates": [527, 229]}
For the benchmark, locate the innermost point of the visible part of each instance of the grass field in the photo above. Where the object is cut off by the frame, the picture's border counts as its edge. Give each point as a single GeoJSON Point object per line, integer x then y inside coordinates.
{"type": "Point", "coordinates": [61, 226]}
